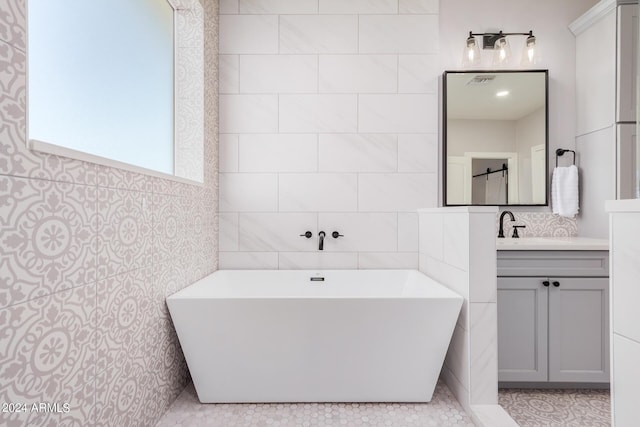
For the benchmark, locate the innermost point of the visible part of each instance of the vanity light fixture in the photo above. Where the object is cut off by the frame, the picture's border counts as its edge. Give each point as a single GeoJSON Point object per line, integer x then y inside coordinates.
{"type": "Point", "coordinates": [531, 51]}
{"type": "Point", "coordinates": [499, 43]}
{"type": "Point", "coordinates": [471, 55]}
{"type": "Point", "coordinates": [501, 51]}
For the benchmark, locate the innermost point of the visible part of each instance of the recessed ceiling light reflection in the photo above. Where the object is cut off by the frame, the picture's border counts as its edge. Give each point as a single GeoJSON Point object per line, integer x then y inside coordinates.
{"type": "Point", "coordinates": [502, 93]}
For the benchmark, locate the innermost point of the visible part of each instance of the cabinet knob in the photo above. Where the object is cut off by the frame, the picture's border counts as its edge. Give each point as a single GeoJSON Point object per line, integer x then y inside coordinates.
{"type": "Point", "coordinates": [556, 284]}
{"type": "Point", "coordinates": [546, 283]}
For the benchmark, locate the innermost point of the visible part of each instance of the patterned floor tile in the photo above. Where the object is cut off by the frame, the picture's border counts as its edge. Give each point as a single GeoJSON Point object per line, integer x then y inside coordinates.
{"type": "Point", "coordinates": [557, 408]}
{"type": "Point", "coordinates": [443, 410]}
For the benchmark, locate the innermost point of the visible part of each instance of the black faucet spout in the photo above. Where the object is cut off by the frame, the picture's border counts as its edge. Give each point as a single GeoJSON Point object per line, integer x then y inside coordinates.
{"type": "Point", "coordinates": [501, 229]}
{"type": "Point", "coordinates": [321, 240]}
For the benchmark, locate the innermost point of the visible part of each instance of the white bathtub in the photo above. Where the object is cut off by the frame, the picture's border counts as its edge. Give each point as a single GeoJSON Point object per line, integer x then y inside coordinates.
{"type": "Point", "coordinates": [279, 336]}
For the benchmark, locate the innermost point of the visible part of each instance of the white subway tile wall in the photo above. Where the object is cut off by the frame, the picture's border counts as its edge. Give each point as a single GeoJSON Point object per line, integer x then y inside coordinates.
{"type": "Point", "coordinates": [278, 6]}
{"type": "Point", "coordinates": [398, 34]}
{"type": "Point", "coordinates": [328, 121]}
{"type": "Point", "coordinates": [327, 192]}
{"type": "Point", "coordinates": [228, 152]}
{"type": "Point", "coordinates": [318, 34]}
{"type": "Point", "coordinates": [358, 6]}
{"type": "Point", "coordinates": [366, 74]}
{"type": "Point", "coordinates": [248, 34]}
{"type": "Point", "coordinates": [248, 113]}
{"type": "Point", "coordinates": [318, 113]}
{"type": "Point", "coordinates": [278, 153]}
{"type": "Point", "coordinates": [229, 66]}
{"type": "Point", "coordinates": [418, 73]}
{"type": "Point", "coordinates": [228, 6]}
{"type": "Point", "coordinates": [279, 73]}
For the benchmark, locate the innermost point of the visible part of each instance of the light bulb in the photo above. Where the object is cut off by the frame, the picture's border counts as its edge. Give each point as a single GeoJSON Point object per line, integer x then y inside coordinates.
{"type": "Point", "coordinates": [471, 54]}
{"type": "Point", "coordinates": [531, 52]}
{"type": "Point", "coordinates": [502, 52]}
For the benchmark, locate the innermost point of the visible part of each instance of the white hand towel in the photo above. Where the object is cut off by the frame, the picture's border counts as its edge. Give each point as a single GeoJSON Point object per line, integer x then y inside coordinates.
{"type": "Point", "coordinates": [564, 191]}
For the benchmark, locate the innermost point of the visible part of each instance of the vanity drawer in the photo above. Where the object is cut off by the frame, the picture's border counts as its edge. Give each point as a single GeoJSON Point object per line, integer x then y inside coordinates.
{"type": "Point", "coordinates": [553, 263]}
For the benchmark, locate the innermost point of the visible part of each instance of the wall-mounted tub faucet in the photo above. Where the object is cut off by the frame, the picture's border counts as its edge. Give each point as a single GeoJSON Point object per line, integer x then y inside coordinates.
{"type": "Point", "coordinates": [501, 229]}
{"type": "Point", "coordinates": [321, 240]}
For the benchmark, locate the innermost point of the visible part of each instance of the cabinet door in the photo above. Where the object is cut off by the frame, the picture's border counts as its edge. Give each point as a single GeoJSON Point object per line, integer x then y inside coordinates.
{"type": "Point", "coordinates": [627, 62]}
{"type": "Point", "coordinates": [522, 329]}
{"type": "Point", "coordinates": [579, 330]}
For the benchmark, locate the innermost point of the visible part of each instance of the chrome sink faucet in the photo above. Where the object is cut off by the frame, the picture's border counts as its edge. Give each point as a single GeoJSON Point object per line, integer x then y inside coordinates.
{"type": "Point", "coordinates": [501, 229]}
{"type": "Point", "coordinates": [321, 240]}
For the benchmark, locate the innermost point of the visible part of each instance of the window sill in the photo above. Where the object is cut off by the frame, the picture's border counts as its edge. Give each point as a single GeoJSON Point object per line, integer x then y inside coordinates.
{"type": "Point", "coordinates": [47, 148]}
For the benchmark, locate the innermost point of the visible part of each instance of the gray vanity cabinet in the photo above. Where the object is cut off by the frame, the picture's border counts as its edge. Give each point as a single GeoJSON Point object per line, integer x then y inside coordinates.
{"type": "Point", "coordinates": [579, 330]}
{"type": "Point", "coordinates": [522, 329]}
{"type": "Point", "coordinates": [553, 316]}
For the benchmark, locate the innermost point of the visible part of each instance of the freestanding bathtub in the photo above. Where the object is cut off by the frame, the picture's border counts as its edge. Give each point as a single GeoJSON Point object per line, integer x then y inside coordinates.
{"type": "Point", "coordinates": [315, 336]}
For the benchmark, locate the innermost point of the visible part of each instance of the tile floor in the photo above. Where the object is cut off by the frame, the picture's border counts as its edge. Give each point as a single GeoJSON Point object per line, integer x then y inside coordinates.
{"type": "Point", "coordinates": [443, 410]}
{"type": "Point", "coordinates": [561, 408]}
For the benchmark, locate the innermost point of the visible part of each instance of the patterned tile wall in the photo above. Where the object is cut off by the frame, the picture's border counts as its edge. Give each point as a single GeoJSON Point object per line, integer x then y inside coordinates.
{"type": "Point", "coordinates": [87, 256]}
{"type": "Point", "coordinates": [540, 224]}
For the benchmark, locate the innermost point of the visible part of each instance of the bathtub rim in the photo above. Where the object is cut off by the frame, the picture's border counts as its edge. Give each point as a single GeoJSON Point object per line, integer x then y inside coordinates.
{"type": "Point", "coordinates": [435, 290]}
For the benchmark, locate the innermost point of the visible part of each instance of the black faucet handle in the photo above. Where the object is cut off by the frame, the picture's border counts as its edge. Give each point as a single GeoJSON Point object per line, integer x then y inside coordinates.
{"type": "Point", "coordinates": [307, 234]}
{"type": "Point", "coordinates": [515, 230]}
{"type": "Point", "coordinates": [336, 234]}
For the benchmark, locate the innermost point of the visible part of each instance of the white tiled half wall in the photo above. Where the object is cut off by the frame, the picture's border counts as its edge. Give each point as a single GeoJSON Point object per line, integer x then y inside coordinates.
{"type": "Point", "coordinates": [457, 248]}
{"type": "Point", "coordinates": [328, 121]}
{"type": "Point", "coordinates": [454, 243]}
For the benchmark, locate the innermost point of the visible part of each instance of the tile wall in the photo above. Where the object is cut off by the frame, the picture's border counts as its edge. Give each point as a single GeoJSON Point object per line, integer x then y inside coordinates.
{"type": "Point", "coordinates": [87, 256]}
{"type": "Point", "coordinates": [539, 224]}
{"type": "Point", "coordinates": [328, 121]}
{"type": "Point", "coordinates": [454, 247]}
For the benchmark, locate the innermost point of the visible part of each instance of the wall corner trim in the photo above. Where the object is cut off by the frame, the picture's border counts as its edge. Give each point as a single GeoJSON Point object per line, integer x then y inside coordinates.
{"type": "Point", "coordinates": [593, 15]}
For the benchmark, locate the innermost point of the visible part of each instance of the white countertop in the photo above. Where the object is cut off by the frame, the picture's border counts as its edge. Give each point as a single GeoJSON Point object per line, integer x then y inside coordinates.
{"type": "Point", "coordinates": [628, 205]}
{"type": "Point", "coordinates": [552, 243]}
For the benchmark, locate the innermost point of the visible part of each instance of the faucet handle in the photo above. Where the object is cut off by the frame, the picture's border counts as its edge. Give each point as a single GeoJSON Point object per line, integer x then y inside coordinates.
{"type": "Point", "coordinates": [307, 234]}
{"type": "Point", "coordinates": [515, 230]}
{"type": "Point", "coordinates": [336, 234]}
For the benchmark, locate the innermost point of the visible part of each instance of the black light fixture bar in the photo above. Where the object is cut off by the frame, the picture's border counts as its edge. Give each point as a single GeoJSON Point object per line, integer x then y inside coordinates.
{"type": "Point", "coordinates": [489, 39]}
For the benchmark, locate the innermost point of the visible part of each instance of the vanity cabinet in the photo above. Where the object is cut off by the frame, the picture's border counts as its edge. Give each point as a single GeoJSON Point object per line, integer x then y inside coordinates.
{"type": "Point", "coordinates": [553, 316]}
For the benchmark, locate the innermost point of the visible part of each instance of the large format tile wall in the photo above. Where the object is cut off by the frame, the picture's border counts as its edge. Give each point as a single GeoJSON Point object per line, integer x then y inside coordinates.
{"type": "Point", "coordinates": [328, 121]}
{"type": "Point", "coordinates": [87, 256]}
{"type": "Point", "coordinates": [457, 248]}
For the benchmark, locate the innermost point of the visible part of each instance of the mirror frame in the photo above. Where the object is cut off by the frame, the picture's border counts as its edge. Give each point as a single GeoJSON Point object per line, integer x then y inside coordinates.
{"type": "Point", "coordinates": [444, 133]}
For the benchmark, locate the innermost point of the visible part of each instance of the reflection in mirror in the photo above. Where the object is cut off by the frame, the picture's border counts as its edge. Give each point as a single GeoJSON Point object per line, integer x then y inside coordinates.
{"type": "Point", "coordinates": [495, 137]}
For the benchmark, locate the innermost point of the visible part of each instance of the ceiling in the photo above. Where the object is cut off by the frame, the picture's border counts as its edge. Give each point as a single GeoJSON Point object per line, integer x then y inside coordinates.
{"type": "Point", "coordinates": [478, 101]}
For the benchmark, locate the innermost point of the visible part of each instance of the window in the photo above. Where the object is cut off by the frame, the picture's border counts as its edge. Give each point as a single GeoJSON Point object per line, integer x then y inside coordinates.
{"type": "Point", "coordinates": [101, 82]}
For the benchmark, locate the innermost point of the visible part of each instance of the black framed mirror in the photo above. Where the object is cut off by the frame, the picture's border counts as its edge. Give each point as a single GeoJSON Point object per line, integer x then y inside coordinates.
{"type": "Point", "coordinates": [495, 138]}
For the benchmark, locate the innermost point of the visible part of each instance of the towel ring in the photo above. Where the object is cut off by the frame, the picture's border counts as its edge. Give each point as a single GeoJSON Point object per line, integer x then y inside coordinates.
{"type": "Point", "coordinates": [561, 151]}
